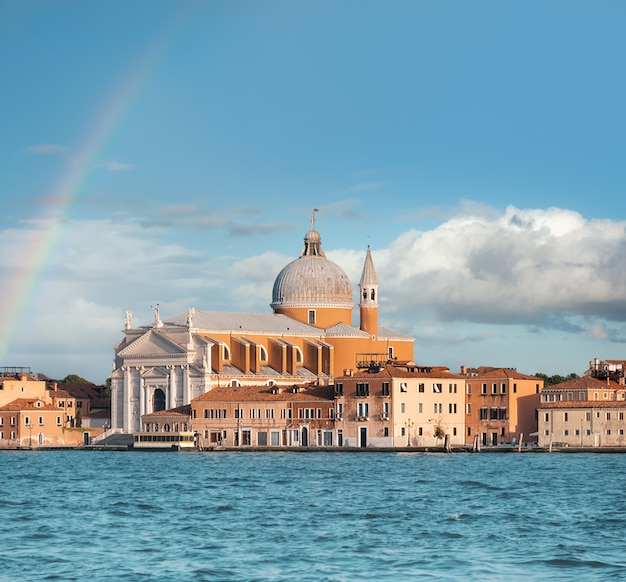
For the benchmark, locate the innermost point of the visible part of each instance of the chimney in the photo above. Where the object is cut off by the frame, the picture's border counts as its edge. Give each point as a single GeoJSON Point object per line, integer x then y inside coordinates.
{"type": "Point", "coordinates": [463, 370]}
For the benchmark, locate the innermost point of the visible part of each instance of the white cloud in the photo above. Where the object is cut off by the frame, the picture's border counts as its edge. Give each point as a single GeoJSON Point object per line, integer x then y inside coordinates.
{"type": "Point", "coordinates": [519, 265]}
{"type": "Point", "coordinates": [531, 272]}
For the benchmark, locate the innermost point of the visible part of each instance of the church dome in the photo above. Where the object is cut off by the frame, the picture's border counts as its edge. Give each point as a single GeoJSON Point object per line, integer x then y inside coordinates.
{"type": "Point", "coordinates": [312, 280]}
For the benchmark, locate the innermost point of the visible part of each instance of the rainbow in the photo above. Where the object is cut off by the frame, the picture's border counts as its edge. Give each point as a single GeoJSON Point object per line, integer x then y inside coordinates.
{"type": "Point", "coordinates": [19, 289]}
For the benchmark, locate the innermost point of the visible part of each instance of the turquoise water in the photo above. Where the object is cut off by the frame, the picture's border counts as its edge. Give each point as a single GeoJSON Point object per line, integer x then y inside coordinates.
{"type": "Point", "coordinates": [100, 515]}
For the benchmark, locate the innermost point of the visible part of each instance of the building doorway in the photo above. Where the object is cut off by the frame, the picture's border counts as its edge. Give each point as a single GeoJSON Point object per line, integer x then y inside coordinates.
{"type": "Point", "coordinates": [363, 436]}
{"type": "Point", "coordinates": [305, 437]}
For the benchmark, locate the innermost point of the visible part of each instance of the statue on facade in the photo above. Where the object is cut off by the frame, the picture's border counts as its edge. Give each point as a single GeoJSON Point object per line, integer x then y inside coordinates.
{"type": "Point", "coordinates": [157, 317]}
{"type": "Point", "coordinates": [190, 313]}
{"type": "Point", "coordinates": [129, 316]}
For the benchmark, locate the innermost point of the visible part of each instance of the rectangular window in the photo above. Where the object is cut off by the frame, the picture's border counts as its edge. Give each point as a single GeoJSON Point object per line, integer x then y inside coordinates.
{"type": "Point", "coordinates": [26, 420]}
{"type": "Point", "coordinates": [269, 413]}
{"type": "Point", "coordinates": [468, 389]}
{"type": "Point", "coordinates": [420, 408]}
{"type": "Point", "coordinates": [261, 438]}
{"type": "Point", "coordinates": [621, 416]}
{"type": "Point", "coordinates": [363, 409]}
{"type": "Point", "coordinates": [435, 408]}
{"type": "Point", "coordinates": [1, 420]}
{"type": "Point", "coordinates": [468, 408]}
{"type": "Point", "coordinates": [494, 388]}
{"type": "Point", "coordinates": [319, 413]}
{"type": "Point", "coordinates": [275, 438]}
{"type": "Point", "coordinates": [514, 388]}
{"type": "Point", "coordinates": [588, 416]}
{"type": "Point", "coordinates": [608, 432]}
{"type": "Point", "coordinates": [386, 409]}
{"type": "Point", "coordinates": [565, 416]}
{"type": "Point", "coordinates": [503, 389]}
{"type": "Point", "coordinates": [312, 316]}
{"type": "Point", "coordinates": [58, 421]}
{"type": "Point", "coordinates": [362, 389]}
{"type": "Point", "coordinates": [493, 413]}
{"type": "Point", "coordinates": [546, 416]}
{"type": "Point", "coordinates": [608, 416]}
{"type": "Point", "coordinates": [483, 389]}
{"type": "Point", "coordinates": [420, 432]}
{"type": "Point", "coordinates": [483, 413]}
{"type": "Point", "coordinates": [452, 408]}
{"type": "Point", "coordinates": [420, 388]}
{"type": "Point", "coordinates": [385, 388]}
{"type": "Point", "coordinates": [339, 389]}
{"type": "Point", "coordinates": [502, 413]}
{"type": "Point", "coordinates": [403, 387]}
{"type": "Point", "coordinates": [437, 388]}
{"type": "Point", "coordinates": [454, 431]}
{"type": "Point", "coordinates": [339, 410]}
{"type": "Point", "coordinates": [402, 407]}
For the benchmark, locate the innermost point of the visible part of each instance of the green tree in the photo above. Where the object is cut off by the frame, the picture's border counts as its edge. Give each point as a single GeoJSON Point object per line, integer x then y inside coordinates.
{"type": "Point", "coordinates": [74, 379]}
{"type": "Point", "coordinates": [438, 432]}
{"type": "Point", "coordinates": [556, 378]}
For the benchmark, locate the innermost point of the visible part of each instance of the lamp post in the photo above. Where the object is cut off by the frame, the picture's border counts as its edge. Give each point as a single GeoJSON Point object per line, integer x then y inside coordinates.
{"type": "Point", "coordinates": [408, 424]}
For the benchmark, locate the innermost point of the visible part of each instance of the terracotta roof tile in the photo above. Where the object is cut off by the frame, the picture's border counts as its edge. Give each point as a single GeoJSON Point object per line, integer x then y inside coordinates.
{"type": "Point", "coordinates": [264, 393]}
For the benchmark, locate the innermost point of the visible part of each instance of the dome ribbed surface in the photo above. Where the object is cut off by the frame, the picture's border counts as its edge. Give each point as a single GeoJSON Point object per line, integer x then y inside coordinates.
{"type": "Point", "coordinates": [312, 279]}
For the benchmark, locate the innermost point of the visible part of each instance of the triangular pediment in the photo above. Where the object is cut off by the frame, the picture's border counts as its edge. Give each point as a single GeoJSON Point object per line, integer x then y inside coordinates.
{"type": "Point", "coordinates": [155, 373]}
{"type": "Point", "coordinates": [152, 344]}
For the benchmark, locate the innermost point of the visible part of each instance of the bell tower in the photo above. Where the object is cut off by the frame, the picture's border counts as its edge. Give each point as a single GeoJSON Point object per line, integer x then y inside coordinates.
{"type": "Point", "coordinates": [368, 293]}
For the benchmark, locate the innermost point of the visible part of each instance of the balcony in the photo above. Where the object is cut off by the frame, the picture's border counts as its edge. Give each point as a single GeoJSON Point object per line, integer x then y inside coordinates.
{"type": "Point", "coordinates": [373, 361]}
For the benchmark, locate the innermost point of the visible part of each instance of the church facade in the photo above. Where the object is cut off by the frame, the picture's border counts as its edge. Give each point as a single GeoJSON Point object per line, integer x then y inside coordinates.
{"type": "Point", "coordinates": [307, 338]}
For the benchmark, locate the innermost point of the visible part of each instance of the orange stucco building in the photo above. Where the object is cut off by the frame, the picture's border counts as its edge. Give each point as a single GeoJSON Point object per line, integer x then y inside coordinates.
{"type": "Point", "coordinates": [501, 405]}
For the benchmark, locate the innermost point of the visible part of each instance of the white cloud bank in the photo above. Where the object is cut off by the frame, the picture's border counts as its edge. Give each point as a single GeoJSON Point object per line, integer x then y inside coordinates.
{"type": "Point", "coordinates": [453, 287]}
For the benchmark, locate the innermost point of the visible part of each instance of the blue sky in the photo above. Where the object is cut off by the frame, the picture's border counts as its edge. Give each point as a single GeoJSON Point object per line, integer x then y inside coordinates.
{"type": "Point", "coordinates": [172, 153]}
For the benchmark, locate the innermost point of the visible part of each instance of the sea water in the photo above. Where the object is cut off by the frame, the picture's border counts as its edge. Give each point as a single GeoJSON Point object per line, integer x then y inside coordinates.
{"type": "Point", "coordinates": [100, 515]}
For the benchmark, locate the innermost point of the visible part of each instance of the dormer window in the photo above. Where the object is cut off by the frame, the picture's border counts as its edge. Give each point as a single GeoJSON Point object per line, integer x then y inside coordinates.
{"type": "Point", "coordinates": [311, 316]}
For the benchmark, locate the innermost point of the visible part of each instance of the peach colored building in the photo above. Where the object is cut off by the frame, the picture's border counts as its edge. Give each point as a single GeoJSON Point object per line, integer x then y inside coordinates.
{"type": "Point", "coordinates": [428, 407]}
{"type": "Point", "coordinates": [500, 405]}
{"type": "Point", "coordinates": [400, 405]}
{"type": "Point", "coordinates": [584, 412]}
{"type": "Point", "coordinates": [33, 422]}
{"type": "Point", "coordinates": [308, 338]}
{"type": "Point", "coordinates": [266, 416]}
{"type": "Point", "coordinates": [21, 385]}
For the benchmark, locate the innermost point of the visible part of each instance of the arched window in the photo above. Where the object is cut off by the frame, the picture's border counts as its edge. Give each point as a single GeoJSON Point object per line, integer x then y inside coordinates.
{"type": "Point", "coordinates": [158, 401]}
{"type": "Point", "coordinates": [373, 294]}
{"type": "Point", "coordinates": [166, 428]}
{"type": "Point", "coordinates": [234, 383]}
{"type": "Point", "coordinates": [225, 352]}
{"type": "Point", "coordinates": [298, 355]}
{"type": "Point", "coordinates": [262, 353]}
